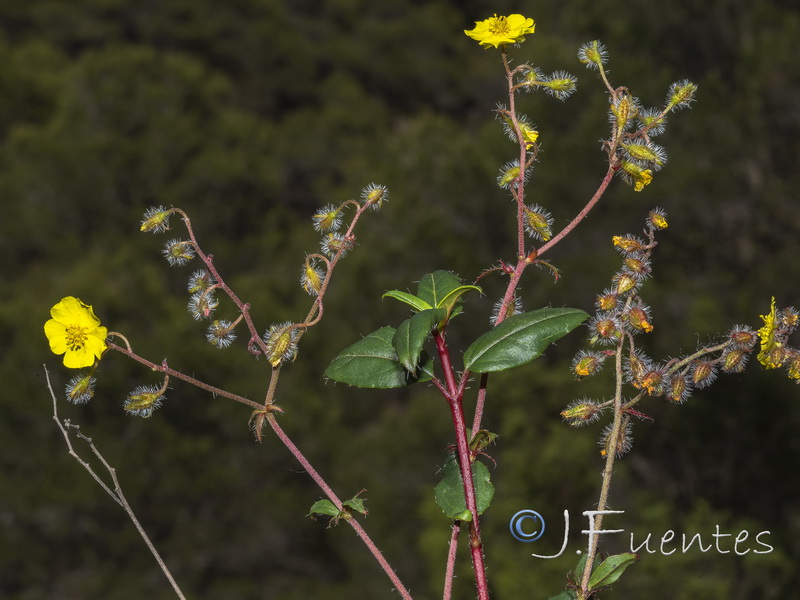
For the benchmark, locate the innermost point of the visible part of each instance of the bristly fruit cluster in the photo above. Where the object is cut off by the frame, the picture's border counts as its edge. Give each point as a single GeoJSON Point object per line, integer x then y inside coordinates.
{"type": "Point", "coordinates": [630, 148]}
{"type": "Point", "coordinates": [622, 314]}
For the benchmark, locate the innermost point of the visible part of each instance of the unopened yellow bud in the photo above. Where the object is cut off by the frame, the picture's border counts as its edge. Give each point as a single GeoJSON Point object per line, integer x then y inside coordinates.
{"type": "Point", "coordinates": [638, 318]}
{"type": "Point", "coordinates": [625, 283]}
{"type": "Point", "coordinates": [587, 363]}
{"type": "Point", "coordinates": [581, 412]}
{"type": "Point", "coordinates": [627, 243]}
{"type": "Point", "coordinates": [606, 301]}
{"type": "Point", "coordinates": [657, 218]}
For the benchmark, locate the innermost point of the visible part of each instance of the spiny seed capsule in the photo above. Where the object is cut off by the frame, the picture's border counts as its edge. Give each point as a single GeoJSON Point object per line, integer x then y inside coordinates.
{"type": "Point", "coordinates": [587, 363]}
{"type": "Point", "coordinates": [638, 266]}
{"type": "Point", "coordinates": [678, 389]}
{"type": "Point", "coordinates": [604, 329]}
{"type": "Point", "coordinates": [626, 243]}
{"type": "Point", "coordinates": [327, 218]}
{"type": "Point", "coordinates": [624, 283]}
{"type": "Point", "coordinates": [793, 365]}
{"type": "Point", "coordinates": [734, 361]}
{"type": "Point", "coordinates": [509, 173]}
{"type": "Point", "coordinates": [581, 412]}
{"type": "Point", "coordinates": [311, 278]}
{"type": "Point", "coordinates": [538, 223]}
{"type": "Point", "coordinates": [637, 369]}
{"type": "Point", "coordinates": [80, 389]}
{"type": "Point", "coordinates": [653, 383]}
{"type": "Point", "coordinates": [743, 338]}
{"type": "Point", "coordinates": [639, 319]}
{"type": "Point", "coordinates": [593, 54]}
{"type": "Point", "coordinates": [606, 301]}
{"type": "Point", "coordinates": [374, 195]}
{"type": "Point", "coordinates": [144, 400]}
{"type": "Point", "coordinates": [789, 317]}
{"type": "Point", "coordinates": [621, 445]}
{"type": "Point", "coordinates": [657, 219]}
{"type": "Point", "coordinates": [281, 344]}
{"type": "Point", "coordinates": [703, 373]}
{"type": "Point", "coordinates": [156, 219]}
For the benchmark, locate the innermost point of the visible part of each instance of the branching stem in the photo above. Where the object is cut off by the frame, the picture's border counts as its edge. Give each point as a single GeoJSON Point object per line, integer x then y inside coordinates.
{"type": "Point", "coordinates": [116, 494]}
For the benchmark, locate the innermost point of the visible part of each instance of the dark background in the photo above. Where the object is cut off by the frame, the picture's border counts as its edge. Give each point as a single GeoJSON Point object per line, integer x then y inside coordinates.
{"type": "Point", "coordinates": [249, 115]}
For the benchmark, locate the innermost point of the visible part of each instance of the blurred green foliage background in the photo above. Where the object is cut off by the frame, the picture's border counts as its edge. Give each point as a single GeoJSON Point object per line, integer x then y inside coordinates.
{"type": "Point", "coordinates": [249, 115]}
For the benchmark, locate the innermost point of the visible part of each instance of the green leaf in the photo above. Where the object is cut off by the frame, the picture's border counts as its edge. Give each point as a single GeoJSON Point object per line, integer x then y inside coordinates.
{"type": "Point", "coordinates": [372, 363]}
{"type": "Point", "coordinates": [357, 504]}
{"type": "Point", "coordinates": [449, 301]}
{"type": "Point", "coordinates": [579, 568]}
{"type": "Point", "coordinates": [449, 492]}
{"type": "Point", "coordinates": [521, 338]}
{"type": "Point", "coordinates": [323, 507]}
{"type": "Point", "coordinates": [434, 287]}
{"type": "Point", "coordinates": [611, 569]}
{"type": "Point", "coordinates": [412, 334]}
{"type": "Point", "coordinates": [416, 303]}
{"type": "Point", "coordinates": [565, 595]}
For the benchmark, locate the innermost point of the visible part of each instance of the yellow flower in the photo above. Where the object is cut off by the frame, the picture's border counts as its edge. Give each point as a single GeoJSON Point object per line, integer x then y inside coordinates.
{"type": "Point", "coordinates": [642, 179]}
{"type": "Point", "coordinates": [529, 134]}
{"type": "Point", "coordinates": [771, 355]}
{"type": "Point", "coordinates": [496, 31]}
{"type": "Point", "coordinates": [636, 175]}
{"type": "Point", "coordinates": [76, 333]}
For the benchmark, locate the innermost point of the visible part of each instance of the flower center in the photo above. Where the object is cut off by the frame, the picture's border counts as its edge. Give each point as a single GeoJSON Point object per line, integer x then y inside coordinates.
{"type": "Point", "coordinates": [76, 337]}
{"type": "Point", "coordinates": [499, 26]}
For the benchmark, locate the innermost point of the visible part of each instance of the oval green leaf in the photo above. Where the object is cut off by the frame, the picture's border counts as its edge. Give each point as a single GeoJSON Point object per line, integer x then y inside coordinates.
{"type": "Point", "coordinates": [413, 301]}
{"type": "Point", "coordinates": [372, 363]}
{"type": "Point", "coordinates": [411, 335]}
{"type": "Point", "coordinates": [434, 287]}
{"type": "Point", "coordinates": [323, 507]}
{"type": "Point", "coordinates": [449, 492]}
{"type": "Point", "coordinates": [521, 338]}
{"type": "Point", "coordinates": [611, 569]}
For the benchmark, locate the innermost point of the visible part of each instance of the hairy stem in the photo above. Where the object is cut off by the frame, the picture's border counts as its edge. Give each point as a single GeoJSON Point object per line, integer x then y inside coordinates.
{"type": "Point", "coordinates": [449, 573]}
{"type": "Point", "coordinates": [326, 489]}
{"type": "Point", "coordinates": [454, 394]}
{"type": "Point", "coordinates": [608, 471]}
{"type": "Point", "coordinates": [163, 368]}
{"type": "Point", "coordinates": [581, 215]}
{"type": "Point", "coordinates": [208, 259]}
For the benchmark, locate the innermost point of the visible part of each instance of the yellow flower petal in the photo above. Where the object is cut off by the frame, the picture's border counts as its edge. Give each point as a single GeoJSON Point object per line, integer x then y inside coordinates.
{"type": "Point", "coordinates": [75, 332]}
{"type": "Point", "coordinates": [770, 356]}
{"type": "Point", "coordinates": [57, 336]}
{"type": "Point", "coordinates": [497, 31]}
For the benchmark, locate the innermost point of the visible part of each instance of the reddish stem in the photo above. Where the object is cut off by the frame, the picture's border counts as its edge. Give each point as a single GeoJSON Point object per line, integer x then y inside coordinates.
{"type": "Point", "coordinates": [451, 561]}
{"type": "Point", "coordinates": [581, 215]}
{"type": "Point", "coordinates": [323, 485]}
{"type": "Point", "coordinates": [454, 396]}
{"type": "Point", "coordinates": [208, 259]}
{"type": "Point", "coordinates": [163, 368]}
